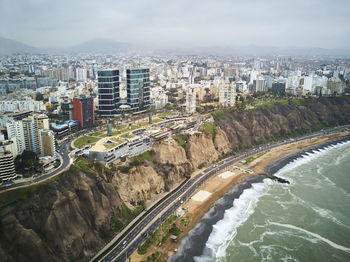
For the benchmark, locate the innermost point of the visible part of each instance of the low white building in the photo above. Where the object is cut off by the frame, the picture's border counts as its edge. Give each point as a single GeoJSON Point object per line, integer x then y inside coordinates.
{"type": "Point", "coordinates": [107, 152]}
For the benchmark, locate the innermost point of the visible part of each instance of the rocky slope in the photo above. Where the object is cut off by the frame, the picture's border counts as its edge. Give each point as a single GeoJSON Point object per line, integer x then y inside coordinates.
{"type": "Point", "coordinates": [70, 219]}
{"type": "Point", "coordinates": [246, 128]}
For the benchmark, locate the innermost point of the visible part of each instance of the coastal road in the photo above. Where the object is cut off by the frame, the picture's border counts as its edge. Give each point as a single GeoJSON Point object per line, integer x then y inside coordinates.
{"type": "Point", "coordinates": [63, 150]}
{"type": "Point", "coordinates": [121, 248]}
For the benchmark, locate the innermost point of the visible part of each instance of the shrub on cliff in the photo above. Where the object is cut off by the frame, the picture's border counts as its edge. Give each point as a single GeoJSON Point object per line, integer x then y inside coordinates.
{"type": "Point", "coordinates": [180, 140]}
{"type": "Point", "coordinates": [210, 129]}
{"type": "Point", "coordinates": [117, 225]}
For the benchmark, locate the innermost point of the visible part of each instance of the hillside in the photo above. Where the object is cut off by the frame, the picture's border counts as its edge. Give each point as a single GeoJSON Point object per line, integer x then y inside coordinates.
{"type": "Point", "coordinates": [9, 47]}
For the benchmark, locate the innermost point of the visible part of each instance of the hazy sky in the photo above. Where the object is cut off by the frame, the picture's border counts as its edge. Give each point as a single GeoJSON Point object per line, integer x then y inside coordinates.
{"type": "Point", "coordinates": [180, 23]}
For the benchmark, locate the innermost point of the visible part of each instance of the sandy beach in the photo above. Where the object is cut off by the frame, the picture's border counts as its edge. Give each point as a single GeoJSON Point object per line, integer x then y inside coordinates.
{"type": "Point", "coordinates": [215, 187]}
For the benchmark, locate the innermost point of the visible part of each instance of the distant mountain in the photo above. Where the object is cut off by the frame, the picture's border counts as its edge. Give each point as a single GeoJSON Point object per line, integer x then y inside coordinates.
{"type": "Point", "coordinates": [9, 47]}
{"type": "Point", "coordinates": [98, 45]}
{"type": "Point", "coordinates": [254, 50]}
{"type": "Point", "coordinates": [107, 46]}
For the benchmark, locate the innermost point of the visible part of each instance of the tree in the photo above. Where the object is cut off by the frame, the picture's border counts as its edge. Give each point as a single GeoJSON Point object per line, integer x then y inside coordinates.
{"type": "Point", "coordinates": [26, 160]}
{"type": "Point", "coordinates": [39, 96]}
{"type": "Point", "coordinates": [94, 157]}
{"type": "Point", "coordinates": [169, 107]}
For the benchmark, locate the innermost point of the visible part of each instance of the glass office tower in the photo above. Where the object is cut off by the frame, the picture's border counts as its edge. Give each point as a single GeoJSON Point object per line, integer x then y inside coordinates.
{"type": "Point", "coordinates": [108, 92]}
{"type": "Point", "coordinates": [138, 87]}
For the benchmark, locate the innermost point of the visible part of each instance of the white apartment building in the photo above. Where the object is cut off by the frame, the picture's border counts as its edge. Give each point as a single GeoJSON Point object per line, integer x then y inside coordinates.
{"type": "Point", "coordinates": [227, 94]}
{"type": "Point", "coordinates": [159, 101]}
{"type": "Point", "coordinates": [260, 84]}
{"type": "Point", "coordinates": [31, 127]}
{"type": "Point", "coordinates": [81, 74]}
{"type": "Point", "coordinates": [241, 86]}
{"type": "Point", "coordinates": [15, 130]}
{"type": "Point", "coordinates": [306, 83]}
{"type": "Point", "coordinates": [191, 99]}
{"type": "Point", "coordinates": [25, 105]}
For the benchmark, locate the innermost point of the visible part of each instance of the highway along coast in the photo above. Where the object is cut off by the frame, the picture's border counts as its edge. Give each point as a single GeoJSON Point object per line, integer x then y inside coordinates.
{"type": "Point", "coordinates": [124, 246]}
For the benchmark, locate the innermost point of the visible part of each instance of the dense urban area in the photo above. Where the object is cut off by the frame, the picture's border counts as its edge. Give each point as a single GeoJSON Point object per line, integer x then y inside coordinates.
{"type": "Point", "coordinates": [93, 112]}
{"type": "Point", "coordinates": [45, 99]}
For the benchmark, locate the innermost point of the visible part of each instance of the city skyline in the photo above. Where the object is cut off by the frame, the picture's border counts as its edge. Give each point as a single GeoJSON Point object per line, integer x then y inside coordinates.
{"type": "Point", "coordinates": [160, 24]}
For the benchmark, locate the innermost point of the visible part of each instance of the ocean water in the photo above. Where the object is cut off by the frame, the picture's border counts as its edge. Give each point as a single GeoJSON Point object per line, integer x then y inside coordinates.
{"type": "Point", "coordinates": [307, 220]}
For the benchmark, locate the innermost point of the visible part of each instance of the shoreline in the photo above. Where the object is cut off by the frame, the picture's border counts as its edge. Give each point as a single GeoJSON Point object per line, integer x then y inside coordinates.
{"type": "Point", "coordinates": [270, 162]}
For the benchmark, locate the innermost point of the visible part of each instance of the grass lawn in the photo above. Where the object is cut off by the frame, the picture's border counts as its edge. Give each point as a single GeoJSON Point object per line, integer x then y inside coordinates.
{"type": "Point", "coordinates": [86, 140]}
{"type": "Point", "coordinates": [109, 146]}
{"type": "Point", "coordinates": [118, 132]}
{"type": "Point", "coordinates": [270, 102]}
{"type": "Point", "coordinates": [84, 165]}
{"type": "Point", "coordinates": [99, 134]}
{"type": "Point", "coordinates": [118, 141]}
{"type": "Point", "coordinates": [157, 120]}
{"type": "Point", "coordinates": [120, 127]}
{"type": "Point", "coordinates": [127, 135]}
{"type": "Point", "coordinates": [164, 114]}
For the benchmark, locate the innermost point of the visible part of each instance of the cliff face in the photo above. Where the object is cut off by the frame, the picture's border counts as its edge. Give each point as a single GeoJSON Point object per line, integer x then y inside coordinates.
{"type": "Point", "coordinates": [65, 220]}
{"type": "Point", "coordinates": [245, 128]}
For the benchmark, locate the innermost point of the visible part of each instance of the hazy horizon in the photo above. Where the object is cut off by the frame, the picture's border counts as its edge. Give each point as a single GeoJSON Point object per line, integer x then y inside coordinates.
{"type": "Point", "coordinates": [169, 24]}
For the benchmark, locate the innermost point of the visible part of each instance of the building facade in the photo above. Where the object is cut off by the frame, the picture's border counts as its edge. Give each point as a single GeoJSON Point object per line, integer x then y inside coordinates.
{"type": "Point", "coordinates": [259, 84]}
{"type": "Point", "coordinates": [15, 129]}
{"type": "Point", "coordinates": [279, 86]}
{"type": "Point", "coordinates": [7, 166]}
{"type": "Point", "coordinates": [191, 100]}
{"type": "Point", "coordinates": [108, 92]}
{"type": "Point", "coordinates": [83, 111]}
{"type": "Point", "coordinates": [47, 143]}
{"type": "Point", "coordinates": [31, 127]}
{"type": "Point", "coordinates": [138, 86]}
{"type": "Point", "coordinates": [10, 145]}
{"type": "Point", "coordinates": [227, 94]}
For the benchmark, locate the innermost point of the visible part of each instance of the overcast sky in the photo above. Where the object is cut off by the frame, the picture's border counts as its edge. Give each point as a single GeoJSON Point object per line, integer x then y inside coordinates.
{"type": "Point", "coordinates": [178, 23]}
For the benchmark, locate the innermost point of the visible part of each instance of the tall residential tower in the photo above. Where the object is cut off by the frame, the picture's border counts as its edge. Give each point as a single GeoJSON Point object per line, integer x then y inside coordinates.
{"type": "Point", "coordinates": [138, 86]}
{"type": "Point", "coordinates": [108, 92]}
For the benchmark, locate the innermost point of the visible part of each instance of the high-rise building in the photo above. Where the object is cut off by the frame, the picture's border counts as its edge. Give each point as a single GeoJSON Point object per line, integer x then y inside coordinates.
{"type": "Point", "coordinates": [29, 134]}
{"type": "Point", "coordinates": [306, 83]}
{"type": "Point", "coordinates": [335, 86]}
{"type": "Point", "coordinates": [227, 94]}
{"type": "Point", "coordinates": [108, 92]}
{"type": "Point", "coordinates": [15, 129]}
{"type": "Point", "coordinates": [279, 86]}
{"type": "Point", "coordinates": [10, 145]}
{"type": "Point", "coordinates": [83, 111]}
{"type": "Point", "coordinates": [138, 86]}
{"type": "Point", "coordinates": [7, 166]}
{"type": "Point", "coordinates": [66, 111]}
{"type": "Point", "coordinates": [31, 128]}
{"type": "Point", "coordinates": [259, 84]}
{"type": "Point", "coordinates": [191, 99]}
{"type": "Point", "coordinates": [81, 74]}
{"type": "Point", "coordinates": [47, 143]}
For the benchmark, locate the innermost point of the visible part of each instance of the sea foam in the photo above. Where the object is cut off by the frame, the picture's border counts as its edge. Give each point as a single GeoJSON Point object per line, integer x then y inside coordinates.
{"type": "Point", "coordinates": [225, 229]}
{"type": "Point", "coordinates": [329, 242]}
